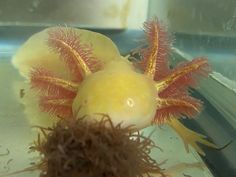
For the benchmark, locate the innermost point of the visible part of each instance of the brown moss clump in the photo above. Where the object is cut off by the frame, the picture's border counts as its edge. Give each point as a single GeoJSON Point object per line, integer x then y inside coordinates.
{"type": "Point", "coordinates": [79, 148]}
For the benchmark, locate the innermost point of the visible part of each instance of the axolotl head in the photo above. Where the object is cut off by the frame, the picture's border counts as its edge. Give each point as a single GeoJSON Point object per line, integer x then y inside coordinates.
{"type": "Point", "coordinates": [120, 92]}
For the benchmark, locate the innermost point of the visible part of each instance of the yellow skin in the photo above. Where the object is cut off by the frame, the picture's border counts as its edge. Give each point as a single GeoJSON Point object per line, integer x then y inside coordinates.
{"type": "Point", "coordinates": [116, 89]}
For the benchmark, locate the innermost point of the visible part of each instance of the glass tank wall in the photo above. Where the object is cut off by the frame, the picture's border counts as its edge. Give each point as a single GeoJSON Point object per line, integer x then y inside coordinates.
{"type": "Point", "coordinates": [208, 28]}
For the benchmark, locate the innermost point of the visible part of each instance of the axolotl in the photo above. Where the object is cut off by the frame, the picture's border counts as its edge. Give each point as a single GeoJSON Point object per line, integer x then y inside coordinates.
{"type": "Point", "coordinates": [77, 72]}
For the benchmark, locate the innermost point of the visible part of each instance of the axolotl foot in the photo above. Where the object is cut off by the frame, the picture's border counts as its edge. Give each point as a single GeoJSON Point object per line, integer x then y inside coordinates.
{"type": "Point", "coordinates": [190, 137]}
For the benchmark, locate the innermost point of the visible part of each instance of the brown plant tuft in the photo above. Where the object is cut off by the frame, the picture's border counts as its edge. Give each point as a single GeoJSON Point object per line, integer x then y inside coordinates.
{"type": "Point", "coordinates": [78, 148]}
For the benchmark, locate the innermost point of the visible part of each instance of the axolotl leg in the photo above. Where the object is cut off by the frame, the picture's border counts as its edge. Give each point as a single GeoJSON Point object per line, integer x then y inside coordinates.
{"type": "Point", "coordinates": [190, 137]}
